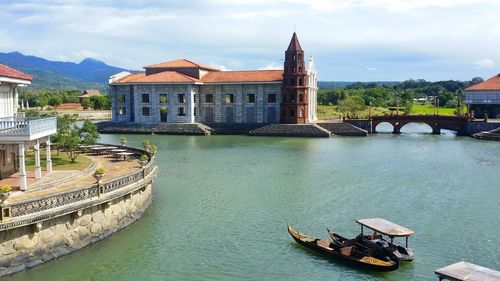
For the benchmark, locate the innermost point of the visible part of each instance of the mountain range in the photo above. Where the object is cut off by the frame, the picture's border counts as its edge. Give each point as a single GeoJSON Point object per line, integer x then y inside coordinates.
{"type": "Point", "coordinates": [88, 74]}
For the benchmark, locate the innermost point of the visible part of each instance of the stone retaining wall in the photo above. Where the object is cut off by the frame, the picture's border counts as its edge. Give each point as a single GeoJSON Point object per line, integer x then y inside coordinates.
{"type": "Point", "coordinates": [31, 245]}
{"type": "Point", "coordinates": [38, 230]}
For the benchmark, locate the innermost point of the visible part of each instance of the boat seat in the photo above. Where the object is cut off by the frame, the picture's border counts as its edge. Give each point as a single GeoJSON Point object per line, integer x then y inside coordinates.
{"type": "Point", "coordinates": [324, 244]}
{"type": "Point", "coordinates": [349, 243]}
{"type": "Point", "coordinates": [346, 251]}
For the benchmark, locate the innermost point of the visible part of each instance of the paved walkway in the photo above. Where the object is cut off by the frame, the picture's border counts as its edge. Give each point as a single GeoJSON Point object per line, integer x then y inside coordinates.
{"type": "Point", "coordinates": [113, 169]}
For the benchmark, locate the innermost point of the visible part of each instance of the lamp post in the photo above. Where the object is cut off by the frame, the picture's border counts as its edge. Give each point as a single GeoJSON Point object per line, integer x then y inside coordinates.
{"type": "Point", "coordinates": [437, 106]}
{"type": "Point", "coordinates": [370, 111]}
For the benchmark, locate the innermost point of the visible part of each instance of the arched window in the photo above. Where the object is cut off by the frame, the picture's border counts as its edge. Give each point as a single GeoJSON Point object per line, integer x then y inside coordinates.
{"type": "Point", "coordinates": [300, 69]}
{"type": "Point", "coordinates": [292, 113]}
{"type": "Point", "coordinates": [301, 82]}
{"type": "Point", "coordinates": [293, 57]}
{"type": "Point", "coordinates": [301, 98]}
{"type": "Point", "coordinates": [294, 69]}
{"type": "Point", "coordinates": [292, 98]}
{"type": "Point", "coordinates": [301, 113]}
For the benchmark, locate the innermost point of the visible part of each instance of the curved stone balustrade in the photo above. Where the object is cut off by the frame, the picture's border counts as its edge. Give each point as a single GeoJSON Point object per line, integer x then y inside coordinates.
{"type": "Point", "coordinates": [56, 204]}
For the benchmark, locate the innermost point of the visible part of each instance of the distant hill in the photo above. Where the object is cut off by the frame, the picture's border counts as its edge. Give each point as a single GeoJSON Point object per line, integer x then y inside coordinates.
{"type": "Point", "coordinates": [343, 84]}
{"type": "Point", "coordinates": [88, 74]}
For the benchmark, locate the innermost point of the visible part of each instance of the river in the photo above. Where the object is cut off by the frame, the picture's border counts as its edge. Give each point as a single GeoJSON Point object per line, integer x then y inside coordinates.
{"type": "Point", "coordinates": [222, 203]}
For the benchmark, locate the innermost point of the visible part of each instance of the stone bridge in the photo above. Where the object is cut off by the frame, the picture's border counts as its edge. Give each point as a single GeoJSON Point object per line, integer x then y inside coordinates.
{"type": "Point", "coordinates": [436, 122]}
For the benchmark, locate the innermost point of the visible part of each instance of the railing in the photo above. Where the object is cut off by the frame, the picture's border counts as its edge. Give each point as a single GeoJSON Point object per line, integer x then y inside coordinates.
{"type": "Point", "coordinates": [85, 193]}
{"type": "Point", "coordinates": [27, 127]}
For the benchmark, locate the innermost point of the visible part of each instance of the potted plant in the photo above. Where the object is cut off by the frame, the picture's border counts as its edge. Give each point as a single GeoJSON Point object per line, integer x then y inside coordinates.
{"type": "Point", "coordinates": [143, 160]}
{"type": "Point", "coordinates": [123, 141]}
{"type": "Point", "coordinates": [146, 145]}
{"type": "Point", "coordinates": [99, 173]}
{"type": "Point", "coordinates": [153, 149]}
{"type": "Point", "coordinates": [5, 192]}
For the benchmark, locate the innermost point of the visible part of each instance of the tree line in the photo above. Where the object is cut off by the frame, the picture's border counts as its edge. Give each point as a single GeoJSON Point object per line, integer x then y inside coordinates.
{"type": "Point", "coordinates": [54, 98]}
{"type": "Point", "coordinates": [357, 96]}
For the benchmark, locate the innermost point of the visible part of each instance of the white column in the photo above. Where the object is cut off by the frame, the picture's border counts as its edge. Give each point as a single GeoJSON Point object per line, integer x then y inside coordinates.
{"type": "Point", "coordinates": [38, 169]}
{"type": "Point", "coordinates": [190, 104]}
{"type": "Point", "coordinates": [22, 168]}
{"type": "Point", "coordinates": [49, 159]}
{"type": "Point", "coordinates": [16, 100]}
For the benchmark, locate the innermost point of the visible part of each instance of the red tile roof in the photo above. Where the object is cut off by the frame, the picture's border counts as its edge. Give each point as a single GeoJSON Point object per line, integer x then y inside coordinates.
{"type": "Point", "coordinates": [162, 77]}
{"type": "Point", "coordinates": [492, 84]}
{"type": "Point", "coordinates": [6, 71]}
{"type": "Point", "coordinates": [211, 77]}
{"type": "Point", "coordinates": [182, 63]}
{"type": "Point", "coordinates": [243, 76]}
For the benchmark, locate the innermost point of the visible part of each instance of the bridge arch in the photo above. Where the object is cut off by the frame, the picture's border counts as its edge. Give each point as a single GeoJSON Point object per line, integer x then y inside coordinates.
{"type": "Point", "coordinates": [434, 121]}
{"type": "Point", "coordinates": [427, 128]}
{"type": "Point", "coordinates": [383, 127]}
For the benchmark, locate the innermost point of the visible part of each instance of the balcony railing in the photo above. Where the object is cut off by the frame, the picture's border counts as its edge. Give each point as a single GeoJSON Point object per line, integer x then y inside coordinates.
{"type": "Point", "coordinates": [22, 128]}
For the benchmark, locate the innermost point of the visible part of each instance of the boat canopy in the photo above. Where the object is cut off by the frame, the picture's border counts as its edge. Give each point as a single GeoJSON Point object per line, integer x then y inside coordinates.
{"type": "Point", "coordinates": [467, 271]}
{"type": "Point", "coordinates": [386, 227]}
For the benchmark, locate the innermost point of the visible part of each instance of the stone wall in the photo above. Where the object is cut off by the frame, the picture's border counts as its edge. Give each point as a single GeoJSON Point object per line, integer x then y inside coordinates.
{"type": "Point", "coordinates": [30, 245]}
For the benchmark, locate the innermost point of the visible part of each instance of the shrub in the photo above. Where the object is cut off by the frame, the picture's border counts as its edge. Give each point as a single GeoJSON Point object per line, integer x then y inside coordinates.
{"type": "Point", "coordinates": [100, 171]}
{"type": "Point", "coordinates": [5, 189]}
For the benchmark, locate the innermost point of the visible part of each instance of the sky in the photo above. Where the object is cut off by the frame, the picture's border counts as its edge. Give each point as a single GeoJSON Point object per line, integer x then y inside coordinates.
{"type": "Point", "coordinates": [350, 40]}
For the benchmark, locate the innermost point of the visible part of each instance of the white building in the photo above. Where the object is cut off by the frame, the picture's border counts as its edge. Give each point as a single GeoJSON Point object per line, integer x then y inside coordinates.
{"type": "Point", "coordinates": [18, 133]}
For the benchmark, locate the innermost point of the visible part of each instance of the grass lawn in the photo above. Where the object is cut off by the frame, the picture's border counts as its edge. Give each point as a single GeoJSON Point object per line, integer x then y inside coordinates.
{"type": "Point", "coordinates": [326, 112]}
{"type": "Point", "coordinates": [59, 162]}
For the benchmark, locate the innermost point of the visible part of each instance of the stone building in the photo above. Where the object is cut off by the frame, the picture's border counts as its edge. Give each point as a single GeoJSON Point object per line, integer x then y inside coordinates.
{"type": "Point", "coordinates": [183, 91]}
{"type": "Point", "coordinates": [18, 133]}
{"type": "Point", "coordinates": [484, 98]}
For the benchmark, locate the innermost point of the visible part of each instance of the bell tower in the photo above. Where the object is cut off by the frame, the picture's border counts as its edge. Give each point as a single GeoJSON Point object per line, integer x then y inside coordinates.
{"type": "Point", "coordinates": [295, 96]}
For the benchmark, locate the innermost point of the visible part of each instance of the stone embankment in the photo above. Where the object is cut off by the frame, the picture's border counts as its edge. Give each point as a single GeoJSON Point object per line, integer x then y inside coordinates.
{"type": "Point", "coordinates": [37, 230]}
{"type": "Point", "coordinates": [292, 130]}
{"type": "Point", "coordinates": [160, 129]}
{"type": "Point", "coordinates": [488, 135]}
{"type": "Point", "coordinates": [344, 129]}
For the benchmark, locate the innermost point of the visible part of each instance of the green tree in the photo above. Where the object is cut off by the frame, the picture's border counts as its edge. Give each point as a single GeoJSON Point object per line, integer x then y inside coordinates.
{"type": "Point", "coordinates": [351, 106]}
{"type": "Point", "coordinates": [55, 101]}
{"type": "Point", "coordinates": [86, 103]}
{"type": "Point", "coordinates": [88, 133]}
{"type": "Point", "coordinates": [101, 102]}
{"type": "Point", "coordinates": [70, 143]}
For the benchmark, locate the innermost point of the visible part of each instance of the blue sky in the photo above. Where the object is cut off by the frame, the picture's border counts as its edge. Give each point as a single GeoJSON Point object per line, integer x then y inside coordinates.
{"type": "Point", "coordinates": [350, 40]}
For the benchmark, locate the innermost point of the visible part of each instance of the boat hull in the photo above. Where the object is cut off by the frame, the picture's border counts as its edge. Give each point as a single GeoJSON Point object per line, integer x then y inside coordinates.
{"type": "Point", "coordinates": [366, 262]}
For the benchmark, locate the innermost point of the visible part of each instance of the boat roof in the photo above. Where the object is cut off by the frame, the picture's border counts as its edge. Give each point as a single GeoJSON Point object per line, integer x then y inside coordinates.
{"type": "Point", "coordinates": [386, 227]}
{"type": "Point", "coordinates": [462, 271]}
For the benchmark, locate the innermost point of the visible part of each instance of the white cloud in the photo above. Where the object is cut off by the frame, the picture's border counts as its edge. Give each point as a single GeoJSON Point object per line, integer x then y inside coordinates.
{"type": "Point", "coordinates": [485, 63]}
{"type": "Point", "coordinates": [271, 66]}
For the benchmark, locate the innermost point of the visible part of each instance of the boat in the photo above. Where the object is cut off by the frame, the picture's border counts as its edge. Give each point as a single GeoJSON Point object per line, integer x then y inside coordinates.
{"type": "Point", "coordinates": [350, 252]}
{"type": "Point", "coordinates": [379, 245]}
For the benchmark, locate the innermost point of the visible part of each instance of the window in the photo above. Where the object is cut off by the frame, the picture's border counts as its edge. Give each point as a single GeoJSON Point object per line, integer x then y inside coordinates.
{"type": "Point", "coordinates": [271, 98]}
{"type": "Point", "coordinates": [250, 98]}
{"type": "Point", "coordinates": [145, 98]}
{"type": "Point", "coordinates": [229, 98]}
{"type": "Point", "coordinates": [300, 69]}
{"type": "Point", "coordinates": [145, 111]}
{"type": "Point", "coordinates": [181, 111]}
{"type": "Point", "coordinates": [194, 111]}
{"type": "Point", "coordinates": [292, 97]}
{"type": "Point", "coordinates": [301, 98]}
{"type": "Point", "coordinates": [121, 110]}
{"type": "Point", "coordinates": [293, 57]}
{"type": "Point", "coordinates": [301, 82]}
{"type": "Point", "coordinates": [292, 113]}
{"type": "Point", "coordinates": [301, 112]}
{"type": "Point", "coordinates": [163, 98]}
{"type": "Point", "coordinates": [209, 98]}
{"type": "Point", "coordinates": [194, 98]}
{"type": "Point", "coordinates": [181, 98]}
{"type": "Point", "coordinates": [121, 98]}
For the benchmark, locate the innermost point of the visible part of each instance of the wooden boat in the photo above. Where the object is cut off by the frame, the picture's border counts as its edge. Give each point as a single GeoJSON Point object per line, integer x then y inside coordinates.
{"type": "Point", "coordinates": [349, 252]}
{"type": "Point", "coordinates": [378, 244]}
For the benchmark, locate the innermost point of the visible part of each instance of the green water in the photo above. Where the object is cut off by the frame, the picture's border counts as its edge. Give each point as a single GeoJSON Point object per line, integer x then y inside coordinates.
{"type": "Point", "coordinates": [221, 205]}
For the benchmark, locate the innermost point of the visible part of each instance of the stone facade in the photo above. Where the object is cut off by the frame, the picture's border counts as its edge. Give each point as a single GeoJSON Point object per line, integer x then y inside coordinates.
{"type": "Point", "coordinates": [220, 103]}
